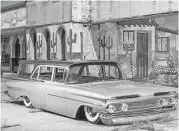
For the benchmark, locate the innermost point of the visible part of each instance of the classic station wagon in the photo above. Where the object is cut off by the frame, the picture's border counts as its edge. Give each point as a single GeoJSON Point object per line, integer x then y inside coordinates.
{"type": "Point", "coordinates": [98, 90]}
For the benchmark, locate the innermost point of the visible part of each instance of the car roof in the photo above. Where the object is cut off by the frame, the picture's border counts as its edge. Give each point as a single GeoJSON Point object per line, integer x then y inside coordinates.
{"type": "Point", "coordinates": [62, 62]}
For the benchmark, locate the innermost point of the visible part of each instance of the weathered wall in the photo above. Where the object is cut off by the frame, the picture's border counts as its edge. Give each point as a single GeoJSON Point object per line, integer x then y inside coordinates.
{"type": "Point", "coordinates": [160, 57]}
{"type": "Point", "coordinates": [125, 59]}
{"type": "Point", "coordinates": [170, 22]}
{"type": "Point", "coordinates": [88, 47]}
{"type": "Point", "coordinates": [117, 52]}
{"type": "Point", "coordinates": [81, 10]}
{"type": "Point", "coordinates": [13, 18]}
{"type": "Point", "coordinates": [48, 12]}
{"type": "Point", "coordinates": [104, 10]}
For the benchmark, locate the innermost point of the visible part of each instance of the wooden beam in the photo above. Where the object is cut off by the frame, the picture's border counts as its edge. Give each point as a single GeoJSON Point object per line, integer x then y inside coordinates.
{"type": "Point", "coordinates": [134, 23]}
{"type": "Point", "coordinates": [147, 22]}
{"type": "Point", "coordinates": [141, 22]}
{"type": "Point", "coordinates": [138, 23]}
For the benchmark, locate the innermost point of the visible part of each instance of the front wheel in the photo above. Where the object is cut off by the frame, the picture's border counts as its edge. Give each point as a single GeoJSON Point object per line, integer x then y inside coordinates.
{"type": "Point", "coordinates": [27, 102]}
{"type": "Point", "coordinates": [92, 115]}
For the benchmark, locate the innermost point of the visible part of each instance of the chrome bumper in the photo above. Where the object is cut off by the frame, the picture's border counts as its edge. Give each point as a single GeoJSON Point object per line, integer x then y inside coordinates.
{"type": "Point", "coordinates": [125, 118]}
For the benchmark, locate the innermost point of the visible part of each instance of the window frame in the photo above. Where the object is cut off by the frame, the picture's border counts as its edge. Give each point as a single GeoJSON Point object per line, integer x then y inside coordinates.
{"type": "Point", "coordinates": [52, 76]}
{"type": "Point", "coordinates": [128, 31]}
{"type": "Point", "coordinates": [117, 65]}
{"type": "Point", "coordinates": [64, 77]}
{"type": "Point", "coordinates": [168, 43]}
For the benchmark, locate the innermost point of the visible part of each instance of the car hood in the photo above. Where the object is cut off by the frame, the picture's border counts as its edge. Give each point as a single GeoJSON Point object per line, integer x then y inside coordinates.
{"type": "Point", "coordinates": [124, 88]}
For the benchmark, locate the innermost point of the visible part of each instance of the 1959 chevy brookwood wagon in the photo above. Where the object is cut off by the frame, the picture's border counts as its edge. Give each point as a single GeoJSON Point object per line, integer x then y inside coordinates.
{"type": "Point", "coordinates": [98, 90]}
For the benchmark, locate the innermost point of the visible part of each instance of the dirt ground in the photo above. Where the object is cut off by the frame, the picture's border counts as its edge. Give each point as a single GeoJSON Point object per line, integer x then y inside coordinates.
{"type": "Point", "coordinates": [16, 117]}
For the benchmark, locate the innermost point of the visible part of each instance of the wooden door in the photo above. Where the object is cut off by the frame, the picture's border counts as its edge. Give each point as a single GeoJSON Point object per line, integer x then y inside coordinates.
{"type": "Point", "coordinates": [142, 54]}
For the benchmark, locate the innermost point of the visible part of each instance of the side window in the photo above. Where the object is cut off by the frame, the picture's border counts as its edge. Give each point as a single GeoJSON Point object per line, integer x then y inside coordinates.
{"type": "Point", "coordinates": [94, 70]}
{"type": "Point", "coordinates": [45, 73]}
{"type": "Point", "coordinates": [111, 71]}
{"type": "Point", "coordinates": [35, 74]}
{"type": "Point", "coordinates": [59, 74]}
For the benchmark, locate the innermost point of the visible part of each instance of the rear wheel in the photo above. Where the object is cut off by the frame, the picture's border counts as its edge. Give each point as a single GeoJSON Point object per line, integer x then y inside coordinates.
{"type": "Point", "coordinates": [27, 102]}
{"type": "Point", "coordinates": [92, 115]}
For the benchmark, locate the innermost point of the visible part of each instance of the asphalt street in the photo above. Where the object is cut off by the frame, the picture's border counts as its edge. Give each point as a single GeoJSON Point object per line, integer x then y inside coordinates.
{"type": "Point", "coordinates": [16, 117]}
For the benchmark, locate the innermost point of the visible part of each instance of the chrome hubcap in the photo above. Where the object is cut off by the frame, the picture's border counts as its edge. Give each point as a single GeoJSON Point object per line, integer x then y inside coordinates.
{"type": "Point", "coordinates": [91, 111]}
{"type": "Point", "coordinates": [27, 99]}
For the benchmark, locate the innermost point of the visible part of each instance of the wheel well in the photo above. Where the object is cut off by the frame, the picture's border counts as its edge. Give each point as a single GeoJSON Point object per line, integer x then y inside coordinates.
{"type": "Point", "coordinates": [80, 112]}
{"type": "Point", "coordinates": [20, 97]}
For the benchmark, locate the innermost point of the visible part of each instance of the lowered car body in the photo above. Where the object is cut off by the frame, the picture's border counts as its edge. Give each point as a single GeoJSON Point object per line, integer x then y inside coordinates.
{"type": "Point", "coordinates": [97, 89]}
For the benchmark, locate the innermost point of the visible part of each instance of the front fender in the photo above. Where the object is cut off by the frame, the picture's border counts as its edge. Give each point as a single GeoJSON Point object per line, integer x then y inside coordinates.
{"type": "Point", "coordinates": [75, 101]}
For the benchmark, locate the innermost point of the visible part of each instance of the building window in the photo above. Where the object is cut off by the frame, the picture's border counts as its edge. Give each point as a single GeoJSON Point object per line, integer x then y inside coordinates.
{"type": "Point", "coordinates": [128, 40]}
{"type": "Point", "coordinates": [162, 44]}
{"type": "Point", "coordinates": [128, 35]}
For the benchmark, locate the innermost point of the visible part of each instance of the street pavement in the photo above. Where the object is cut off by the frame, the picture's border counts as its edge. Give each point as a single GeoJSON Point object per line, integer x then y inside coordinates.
{"type": "Point", "coordinates": [16, 117]}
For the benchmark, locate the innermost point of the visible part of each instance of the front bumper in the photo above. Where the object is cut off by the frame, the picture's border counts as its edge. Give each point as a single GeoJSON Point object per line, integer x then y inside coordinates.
{"type": "Point", "coordinates": [113, 119]}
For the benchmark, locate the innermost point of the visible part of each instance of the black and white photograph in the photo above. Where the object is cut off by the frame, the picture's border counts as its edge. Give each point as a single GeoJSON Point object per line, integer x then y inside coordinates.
{"type": "Point", "coordinates": [89, 65]}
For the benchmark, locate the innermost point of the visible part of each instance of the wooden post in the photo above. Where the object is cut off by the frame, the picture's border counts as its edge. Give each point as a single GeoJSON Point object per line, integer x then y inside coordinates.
{"type": "Point", "coordinates": [104, 47]}
{"type": "Point", "coordinates": [81, 36]}
{"type": "Point", "coordinates": [109, 48]}
{"type": "Point", "coordinates": [99, 42]}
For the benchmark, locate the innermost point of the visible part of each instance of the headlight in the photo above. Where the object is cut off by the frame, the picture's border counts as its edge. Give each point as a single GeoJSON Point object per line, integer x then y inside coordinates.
{"type": "Point", "coordinates": [164, 102]}
{"type": "Point", "coordinates": [111, 108]}
{"type": "Point", "coordinates": [124, 107]}
{"type": "Point", "coordinates": [173, 101]}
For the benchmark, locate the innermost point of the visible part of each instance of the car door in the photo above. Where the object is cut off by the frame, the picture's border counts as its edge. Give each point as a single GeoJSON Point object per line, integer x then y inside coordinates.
{"type": "Point", "coordinates": [55, 93]}
{"type": "Point", "coordinates": [38, 90]}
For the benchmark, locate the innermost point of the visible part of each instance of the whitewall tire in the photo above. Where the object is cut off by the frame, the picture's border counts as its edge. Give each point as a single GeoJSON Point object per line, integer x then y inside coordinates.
{"type": "Point", "coordinates": [92, 115]}
{"type": "Point", "coordinates": [27, 102]}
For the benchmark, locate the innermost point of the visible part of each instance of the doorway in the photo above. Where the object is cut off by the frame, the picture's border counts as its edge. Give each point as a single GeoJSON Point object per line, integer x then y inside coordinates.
{"type": "Point", "coordinates": [17, 52]}
{"type": "Point", "coordinates": [47, 39]}
{"type": "Point", "coordinates": [142, 54]}
{"type": "Point", "coordinates": [61, 34]}
{"type": "Point", "coordinates": [34, 40]}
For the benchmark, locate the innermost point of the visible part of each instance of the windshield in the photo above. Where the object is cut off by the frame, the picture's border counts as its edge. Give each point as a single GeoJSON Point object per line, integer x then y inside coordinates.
{"type": "Point", "coordinates": [94, 72]}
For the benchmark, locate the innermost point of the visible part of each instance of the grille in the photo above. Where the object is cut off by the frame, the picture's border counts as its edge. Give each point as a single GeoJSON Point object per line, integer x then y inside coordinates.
{"type": "Point", "coordinates": [144, 112]}
{"type": "Point", "coordinates": [143, 104]}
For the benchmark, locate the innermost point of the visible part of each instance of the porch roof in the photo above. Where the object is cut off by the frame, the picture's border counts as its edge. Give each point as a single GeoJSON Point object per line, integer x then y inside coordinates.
{"type": "Point", "coordinates": [163, 29]}
{"type": "Point", "coordinates": [138, 22]}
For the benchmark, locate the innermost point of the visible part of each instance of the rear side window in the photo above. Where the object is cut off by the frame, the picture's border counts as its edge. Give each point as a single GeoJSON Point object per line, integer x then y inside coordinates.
{"type": "Point", "coordinates": [45, 73]}
{"type": "Point", "coordinates": [59, 74]}
{"type": "Point", "coordinates": [25, 69]}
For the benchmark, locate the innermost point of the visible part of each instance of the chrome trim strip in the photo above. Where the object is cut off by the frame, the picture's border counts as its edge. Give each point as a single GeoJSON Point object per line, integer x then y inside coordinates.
{"type": "Point", "coordinates": [137, 114]}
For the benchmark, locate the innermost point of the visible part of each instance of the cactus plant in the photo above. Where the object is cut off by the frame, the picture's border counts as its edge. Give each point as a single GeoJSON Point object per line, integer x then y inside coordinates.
{"type": "Point", "coordinates": [53, 44]}
{"type": "Point", "coordinates": [39, 45]}
{"type": "Point", "coordinates": [70, 41]}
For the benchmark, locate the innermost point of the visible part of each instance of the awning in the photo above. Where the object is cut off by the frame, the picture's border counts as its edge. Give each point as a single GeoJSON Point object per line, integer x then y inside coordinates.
{"type": "Point", "coordinates": [138, 22]}
{"type": "Point", "coordinates": [163, 29]}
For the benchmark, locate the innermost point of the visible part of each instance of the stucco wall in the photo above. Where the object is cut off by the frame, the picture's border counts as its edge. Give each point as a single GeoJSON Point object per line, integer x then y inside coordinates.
{"type": "Point", "coordinates": [172, 48]}
{"type": "Point", "coordinates": [13, 18]}
{"type": "Point", "coordinates": [48, 12]}
{"type": "Point", "coordinates": [88, 47]}
{"type": "Point", "coordinates": [104, 10]}
{"type": "Point", "coordinates": [170, 22]}
{"type": "Point", "coordinates": [125, 60]}
{"type": "Point", "coordinates": [81, 10]}
{"type": "Point", "coordinates": [117, 52]}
